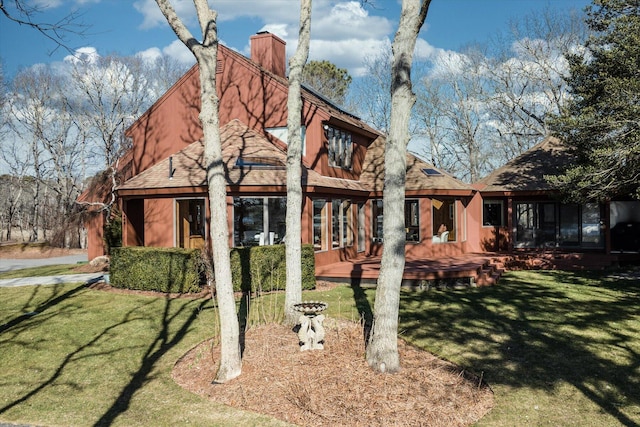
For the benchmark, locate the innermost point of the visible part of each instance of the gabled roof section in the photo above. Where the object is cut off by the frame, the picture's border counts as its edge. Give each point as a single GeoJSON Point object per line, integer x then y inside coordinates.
{"type": "Point", "coordinates": [337, 114]}
{"type": "Point", "coordinates": [373, 173]}
{"type": "Point", "coordinates": [238, 142]}
{"type": "Point", "coordinates": [526, 172]}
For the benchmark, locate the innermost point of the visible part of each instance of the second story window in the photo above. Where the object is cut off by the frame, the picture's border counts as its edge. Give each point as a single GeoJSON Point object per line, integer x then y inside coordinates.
{"type": "Point", "coordinates": [340, 147]}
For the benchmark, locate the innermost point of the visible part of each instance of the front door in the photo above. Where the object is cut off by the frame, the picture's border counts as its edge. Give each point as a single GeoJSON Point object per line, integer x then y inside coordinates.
{"type": "Point", "coordinates": [190, 223]}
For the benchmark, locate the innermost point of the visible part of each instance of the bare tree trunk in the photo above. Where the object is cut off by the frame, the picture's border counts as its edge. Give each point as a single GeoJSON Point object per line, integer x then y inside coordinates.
{"type": "Point", "coordinates": [206, 54]}
{"type": "Point", "coordinates": [35, 214]}
{"type": "Point", "coordinates": [293, 292]}
{"type": "Point", "coordinates": [382, 351]}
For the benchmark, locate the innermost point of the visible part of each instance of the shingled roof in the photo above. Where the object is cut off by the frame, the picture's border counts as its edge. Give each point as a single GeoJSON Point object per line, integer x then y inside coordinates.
{"type": "Point", "coordinates": [250, 160]}
{"type": "Point", "coordinates": [527, 172]}
{"type": "Point", "coordinates": [417, 179]}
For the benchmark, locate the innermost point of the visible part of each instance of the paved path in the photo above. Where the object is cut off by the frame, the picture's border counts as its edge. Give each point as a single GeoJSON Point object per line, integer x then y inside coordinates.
{"type": "Point", "coordinates": [52, 280]}
{"type": "Point", "coordinates": [7, 264]}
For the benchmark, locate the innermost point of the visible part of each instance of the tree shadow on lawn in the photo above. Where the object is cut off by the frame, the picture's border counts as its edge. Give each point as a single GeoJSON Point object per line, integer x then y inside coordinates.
{"type": "Point", "coordinates": [42, 310]}
{"type": "Point", "coordinates": [174, 327]}
{"type": "Point", "coordinates": [535, 335]}
{"type": "Point", "coordinates": [164, 341]}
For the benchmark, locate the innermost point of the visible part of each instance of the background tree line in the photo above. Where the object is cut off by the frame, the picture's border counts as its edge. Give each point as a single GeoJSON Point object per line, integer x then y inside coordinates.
{"type": "Point", "coordinates": [62, 124]}
{"type": "Point", "coordinates": [475, 110]}
{"type": "Point", "coordinates": [479, 108]}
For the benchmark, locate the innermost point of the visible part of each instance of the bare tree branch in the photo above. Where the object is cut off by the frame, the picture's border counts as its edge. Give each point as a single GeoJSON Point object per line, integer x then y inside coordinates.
{"type": "Point", "coordinates": [23, 14]}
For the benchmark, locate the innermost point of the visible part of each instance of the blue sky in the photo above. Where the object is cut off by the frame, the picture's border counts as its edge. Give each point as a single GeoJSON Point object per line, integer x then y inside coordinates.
{"type": "Point", "coordinates": [343, 32]}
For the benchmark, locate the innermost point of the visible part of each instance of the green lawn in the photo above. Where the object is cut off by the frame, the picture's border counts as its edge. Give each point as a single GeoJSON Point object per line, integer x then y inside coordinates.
{"type": "Point", "coordinates": [95, 358]}
{"type": "Point", "coordinates": [45, 270]}
{"type": "Point", "coordinates": [556, 348]}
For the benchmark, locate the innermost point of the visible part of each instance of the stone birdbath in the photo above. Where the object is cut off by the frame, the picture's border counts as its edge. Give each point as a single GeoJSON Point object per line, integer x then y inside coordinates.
{"type": "Point", "coordinates": [311, 332]}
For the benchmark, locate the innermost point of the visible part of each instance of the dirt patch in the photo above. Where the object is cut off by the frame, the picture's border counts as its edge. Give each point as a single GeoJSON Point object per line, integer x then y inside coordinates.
{"type": "Point", "coordinates": [335, 386]}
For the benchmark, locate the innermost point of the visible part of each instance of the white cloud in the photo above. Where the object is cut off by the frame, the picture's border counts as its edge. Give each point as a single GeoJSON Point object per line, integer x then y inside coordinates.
{"type": "Point", "coordinates": [150, 55]}
{"type": "Point", "coordinates": [152, 17]}
{"type": "Point", "coordinates": [447, 63]}
{"type": "Point", "coordinates": [280, 30]}
{"type": "Point", "coordinates": [343, 32]}
{"type": "Point", "coordinates": [424, 50]}
{"type": "Point", "coordinates": [178, 51]}
{"type": "Point", "coordinates": [348, 53]}
{"type": "Point", "coordinates": [349, 20]}
{"type": "Point", "coordinates": [87, 54]}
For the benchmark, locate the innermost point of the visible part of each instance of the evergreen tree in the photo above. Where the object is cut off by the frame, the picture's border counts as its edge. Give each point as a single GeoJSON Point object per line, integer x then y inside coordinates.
{"type": "Point", "coordinates": [327, 79]}
{"type": "Point", "coordinates": [601, 123]}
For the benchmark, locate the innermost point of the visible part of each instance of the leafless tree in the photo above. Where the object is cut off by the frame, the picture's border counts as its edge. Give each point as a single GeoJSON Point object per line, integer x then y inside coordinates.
{"type": "Point", "coordinates": [32, 119]}
{"type": "Point", "coordinates": [28, 14]}
{"type": "Point", "coordinates": [528, 77]}
{"type": "Point", "coordinates": [206, 53]}
{"type": "Point", "coordinates": [109, 93]}
{"type": "Point", "coordinates": [293, 292]}
{"type": "Point", "coordinates": [382, 351]}
{"type": "Point", "coordinates": [44, 144]}
{"type": "Point", "coordinates": [371, 94]}
{"type": "Point", "coordinates": [430, 130]}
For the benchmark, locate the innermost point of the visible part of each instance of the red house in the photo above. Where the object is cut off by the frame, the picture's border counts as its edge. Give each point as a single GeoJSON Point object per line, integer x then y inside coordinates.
{"type": "Point", "coordinates": [164, 199]}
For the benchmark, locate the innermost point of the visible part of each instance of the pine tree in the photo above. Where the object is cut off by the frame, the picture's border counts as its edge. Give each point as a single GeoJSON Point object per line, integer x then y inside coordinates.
{"type": "Point", "coordinates": [601, 123]}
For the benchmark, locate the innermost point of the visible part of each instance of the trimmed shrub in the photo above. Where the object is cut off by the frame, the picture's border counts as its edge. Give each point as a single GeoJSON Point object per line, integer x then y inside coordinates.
{"type": "Point", "coordinates": [263, 268]}
{"type": "Point", "coordinates": [155, 269]}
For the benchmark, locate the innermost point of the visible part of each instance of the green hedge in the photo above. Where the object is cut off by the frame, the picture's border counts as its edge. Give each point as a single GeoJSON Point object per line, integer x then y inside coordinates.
{"type": "Point", "coordinates": [155, 269]}
{"type": "Point", "coordinates": [263, 268]}
{"type": "Point", "coordinates": [255, 269]}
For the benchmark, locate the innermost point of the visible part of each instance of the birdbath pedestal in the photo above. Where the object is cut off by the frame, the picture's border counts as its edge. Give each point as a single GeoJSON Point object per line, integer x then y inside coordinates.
{"type": "Point", "coordinates": [311, 332]}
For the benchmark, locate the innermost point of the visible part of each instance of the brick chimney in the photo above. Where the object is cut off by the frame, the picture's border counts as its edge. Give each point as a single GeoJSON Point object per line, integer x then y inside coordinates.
{"type": "Point", "coordinates": [268, 50]}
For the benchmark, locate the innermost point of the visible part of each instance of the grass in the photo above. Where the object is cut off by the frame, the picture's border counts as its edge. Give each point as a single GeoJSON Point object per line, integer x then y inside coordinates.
{"type": "Point", "coordinates": [557, 348]}
{"type": "Point", "coordinates": [74, 356]}
{"type": "Point", "coordinates": [46, 270]}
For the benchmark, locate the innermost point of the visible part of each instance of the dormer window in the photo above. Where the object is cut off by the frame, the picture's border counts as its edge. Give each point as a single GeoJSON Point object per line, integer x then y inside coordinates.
{"type": "Point", "coordinates": [340, 147]}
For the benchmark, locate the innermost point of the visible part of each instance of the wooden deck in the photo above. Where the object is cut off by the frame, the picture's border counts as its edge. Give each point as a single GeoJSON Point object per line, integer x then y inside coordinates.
{"type": "Point", "coordinates": [483, 269]}
{"type": "Point", "coordinates": [474, 269]}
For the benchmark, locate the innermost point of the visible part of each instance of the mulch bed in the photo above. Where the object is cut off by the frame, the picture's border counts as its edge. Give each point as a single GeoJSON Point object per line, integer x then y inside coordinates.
{"type": "Point", "coordinates": [335, 386]}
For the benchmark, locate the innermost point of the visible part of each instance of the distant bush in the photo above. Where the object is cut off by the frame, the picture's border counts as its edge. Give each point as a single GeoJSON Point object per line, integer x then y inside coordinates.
{"type": "Point", "coordinates": [155, 269]}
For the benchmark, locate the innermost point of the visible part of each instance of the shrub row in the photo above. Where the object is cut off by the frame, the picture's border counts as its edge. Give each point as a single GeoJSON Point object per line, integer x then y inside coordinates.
{"type": "Point", "coordinates": [255, 269]}
{"type": "Point", "coordinates": [155, 269]}
{"type": "Point", "coordinates": [263, 268]}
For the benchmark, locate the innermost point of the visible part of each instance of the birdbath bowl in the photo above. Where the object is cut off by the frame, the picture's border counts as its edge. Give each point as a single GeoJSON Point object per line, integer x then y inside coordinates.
{"type": "Point", "coordinates": [311, 331]}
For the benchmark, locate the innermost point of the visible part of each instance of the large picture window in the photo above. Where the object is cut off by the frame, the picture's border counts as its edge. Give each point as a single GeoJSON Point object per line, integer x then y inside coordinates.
{"type": "Point", "coordinates": [259, 220]}
{"type": "Point", "coordinates": [341, 223]}
{"type": "Point", "coordinates": [492, 213]}
{"type": "Point", "coordinates": [320, 225]}
{"type": "Point", "coordinates": [551, 224]}
{"type": "Point", "coordinates": [411, 220]}
{"type": "Point", "coordinates": [340, 146]}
